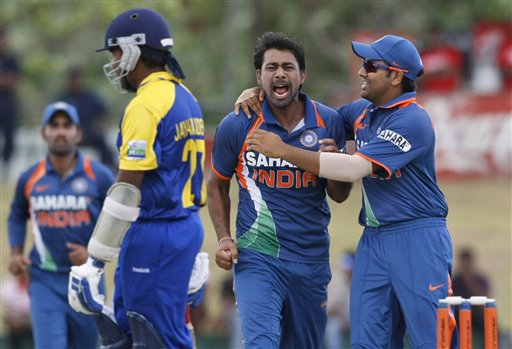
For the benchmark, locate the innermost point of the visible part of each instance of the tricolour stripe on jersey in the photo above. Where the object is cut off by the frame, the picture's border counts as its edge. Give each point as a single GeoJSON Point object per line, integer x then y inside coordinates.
{"type": "Point", "coordinates": [88, 168]}
{"type": "Point", "coordinates": [262, 235]}
{"type": "Point", "coordinates": [357, 123]}
{"type": "Point", "coordinates": [38, 173]}
{"type": "Point", "coordinates": [47, 262]}
{"type": "Point", "coordinates": [371, 220]}
{"type": "Point", "coordinates": [319, 119]}
{"type": "Point", "coordinates": [241, 162]}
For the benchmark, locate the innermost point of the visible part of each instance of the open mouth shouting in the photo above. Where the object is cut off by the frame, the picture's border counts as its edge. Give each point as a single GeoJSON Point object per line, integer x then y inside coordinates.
{"type": "Point", "coordinates": [281, 90]}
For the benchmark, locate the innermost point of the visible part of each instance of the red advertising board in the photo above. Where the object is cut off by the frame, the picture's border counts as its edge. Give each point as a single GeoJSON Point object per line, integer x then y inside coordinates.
{"type": "Point", "coordinates": [473, 133]}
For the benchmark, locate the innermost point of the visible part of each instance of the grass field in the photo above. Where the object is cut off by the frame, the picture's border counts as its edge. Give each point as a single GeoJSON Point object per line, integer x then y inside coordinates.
{"type": "Point", "coordinates": [479, 217]}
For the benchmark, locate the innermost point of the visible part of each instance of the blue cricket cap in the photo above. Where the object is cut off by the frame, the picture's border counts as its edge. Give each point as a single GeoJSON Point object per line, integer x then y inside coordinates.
{"type": "Point", "coordinates": [51, 109]}
{"type": "Point", "coordinates": [398, 52]}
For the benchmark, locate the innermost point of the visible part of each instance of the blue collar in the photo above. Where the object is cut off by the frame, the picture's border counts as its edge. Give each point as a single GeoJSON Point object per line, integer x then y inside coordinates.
{"type": "Point", "coordinates": [405, 98]}
{"type": "Point", "coordinates": [79, 166]}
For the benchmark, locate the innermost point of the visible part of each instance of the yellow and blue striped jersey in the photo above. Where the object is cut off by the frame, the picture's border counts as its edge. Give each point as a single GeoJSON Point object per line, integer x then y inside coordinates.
{"type": "Point", "coordinates": [162, 133]}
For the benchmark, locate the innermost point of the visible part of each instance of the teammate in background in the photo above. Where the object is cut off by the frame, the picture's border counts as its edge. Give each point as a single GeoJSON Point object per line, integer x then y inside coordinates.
{"type": "Point", "coordinates": [9, 107]}
{"type": "Point", "coordinates": [62, 197]}
{"type": "Point", "coordinates": [281, 252]}
{"type": "Point", "coordinates": [469, 281]}
{"type": "Point", "coordinates": [92, 111]}
{"type": "Point", "coordinates": [404, 258]}
{"type": "Point", "coordinates": [150, 216]}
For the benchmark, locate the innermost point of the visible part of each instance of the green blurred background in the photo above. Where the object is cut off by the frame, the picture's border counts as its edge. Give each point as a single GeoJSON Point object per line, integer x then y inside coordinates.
{"type": "Point", "coordinates": [214, 41]}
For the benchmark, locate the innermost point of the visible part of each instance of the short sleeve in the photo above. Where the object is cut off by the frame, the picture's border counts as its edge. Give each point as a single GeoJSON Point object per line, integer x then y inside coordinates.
{"type": "Point", "coordinates": [138, 130]}
{"type": "Point", "coordinates": [227, 145]}
{"type": "Point", "coordinates": [402, 139]}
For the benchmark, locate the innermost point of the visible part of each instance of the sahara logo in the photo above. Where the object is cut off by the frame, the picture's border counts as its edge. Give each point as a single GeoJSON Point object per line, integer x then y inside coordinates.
{"type": "Point", "coordinates": [396, 139]}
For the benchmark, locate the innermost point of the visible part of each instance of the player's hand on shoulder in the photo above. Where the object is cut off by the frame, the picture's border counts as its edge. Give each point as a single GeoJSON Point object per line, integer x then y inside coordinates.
{"type": "Point", "coordinates": [83, 287]}
{"type": "Point", "coordinates": [250, 99]}
{"type": "Point", "coordinates": [227, 254]}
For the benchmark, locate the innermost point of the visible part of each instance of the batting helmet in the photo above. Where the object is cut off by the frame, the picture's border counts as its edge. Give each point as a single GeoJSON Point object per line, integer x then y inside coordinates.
{"type": "Point", "coordinates": [138, 32]}
{"type": "Point", "coordinates": [140, 26]}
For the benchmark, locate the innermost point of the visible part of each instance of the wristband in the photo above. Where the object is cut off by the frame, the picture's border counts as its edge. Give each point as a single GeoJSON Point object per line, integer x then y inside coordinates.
{"type": "Point", "coordinates": [227, 238]}
{"type": "Point", "coordinates": [97, 263]}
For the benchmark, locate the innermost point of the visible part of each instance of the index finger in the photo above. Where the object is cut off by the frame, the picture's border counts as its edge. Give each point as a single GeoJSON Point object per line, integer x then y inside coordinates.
{"type": "Point", "coordinates": [327, 141]}
{"type": "Point", "coordinates": [255, 104]}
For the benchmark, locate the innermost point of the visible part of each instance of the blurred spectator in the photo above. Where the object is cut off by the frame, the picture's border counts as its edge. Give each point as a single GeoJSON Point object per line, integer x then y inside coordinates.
{"type": "Point", "coordinates": [16, 310]}
{"type": "Point", "coordinates": [9, 107]}
{"type": "Point", "coordinates": [443, 64]}
{"type": "Point", "coordinates": [505, 63]}
{"type": "Point", "coordinates": [92, 113]}
{"type": "Point", "coordinates": [337, 332]}
{"type": "Point", "coordinates": [489, 39]}
{"type": "Point", "coordinates": [228, 322]}
{"type": "Point", "coordinates": [469, 281]}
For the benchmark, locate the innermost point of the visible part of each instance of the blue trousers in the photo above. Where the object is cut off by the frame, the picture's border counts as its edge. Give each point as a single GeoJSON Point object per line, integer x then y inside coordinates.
{"type": "Point", "coordinates": [400, 273]}
{"type": "Point", "coordinates": [152, 276]}
{"type": "Point", "coordinates": [282, 304]}
{"type": "Point", "coordinates": [55, 324]}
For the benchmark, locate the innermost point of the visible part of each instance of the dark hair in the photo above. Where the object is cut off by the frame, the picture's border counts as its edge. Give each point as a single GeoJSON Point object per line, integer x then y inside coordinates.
{"type": "Point", "coordinates": [152, 57]}
{"type": "Point", "coordinates": [279, 41]}
{"type": "Point", "coordinates": [407, 84]}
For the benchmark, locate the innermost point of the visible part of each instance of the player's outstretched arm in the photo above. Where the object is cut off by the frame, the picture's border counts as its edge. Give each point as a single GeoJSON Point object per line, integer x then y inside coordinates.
{"type": "Point", "coordinates": [219, 205]}
{"type": "Point", "coordinates": [337, 190]}
{"type": "Point", "coordinates": [335, 166]}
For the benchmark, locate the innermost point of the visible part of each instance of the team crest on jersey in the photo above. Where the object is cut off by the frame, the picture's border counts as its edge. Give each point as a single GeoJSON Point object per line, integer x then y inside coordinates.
{"type": "Point", "coordinates": [308, 138]}
{"type": "Point", "coordinates": [396, 139]}
{"type": "Point", "coordinates": [79, 185]}
{"type": "Point", "coordinates": [136, 150]}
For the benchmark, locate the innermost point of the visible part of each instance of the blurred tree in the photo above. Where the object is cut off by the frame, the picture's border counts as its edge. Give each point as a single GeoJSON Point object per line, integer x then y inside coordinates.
{"type": "Point", "coordinates": [214, 40]}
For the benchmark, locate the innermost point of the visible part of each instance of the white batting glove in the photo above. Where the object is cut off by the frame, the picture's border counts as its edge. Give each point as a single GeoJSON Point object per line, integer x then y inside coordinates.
{"type": "Point", "coordinates": [83, 292]}
{"type": "Point", "coordinates": [200, 273]}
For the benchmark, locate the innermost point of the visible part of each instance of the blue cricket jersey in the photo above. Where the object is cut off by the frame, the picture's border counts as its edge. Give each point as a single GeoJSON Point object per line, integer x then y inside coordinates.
{"type": "Point", "coordinates": [282, 209]}
{"type": "Point", "coordinates": [60, 210]}
{"type": "Point", "coordinates": [399, 137]}
{"type": "Point", "coordinates": [162, 133]}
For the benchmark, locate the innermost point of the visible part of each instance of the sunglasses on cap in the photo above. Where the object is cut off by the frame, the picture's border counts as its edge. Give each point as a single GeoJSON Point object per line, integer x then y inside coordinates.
{"type": "Point", "coordinates": [372, 66]}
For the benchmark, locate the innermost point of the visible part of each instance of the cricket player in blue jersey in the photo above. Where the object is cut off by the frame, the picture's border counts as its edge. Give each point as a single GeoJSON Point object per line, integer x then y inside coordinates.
{"type": "Point", "coordinates": [281, 251]}
{"type": "Point", "coordinates": [61, 196]}
{"type": "Point", "coordinates": [150, 216]}
{"type": "Point", "coordinates": [403, 261]}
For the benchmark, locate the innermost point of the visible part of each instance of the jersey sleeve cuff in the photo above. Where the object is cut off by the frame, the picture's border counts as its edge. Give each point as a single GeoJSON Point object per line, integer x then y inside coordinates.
{"type": "Point", "coordinates": [375, 162]}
